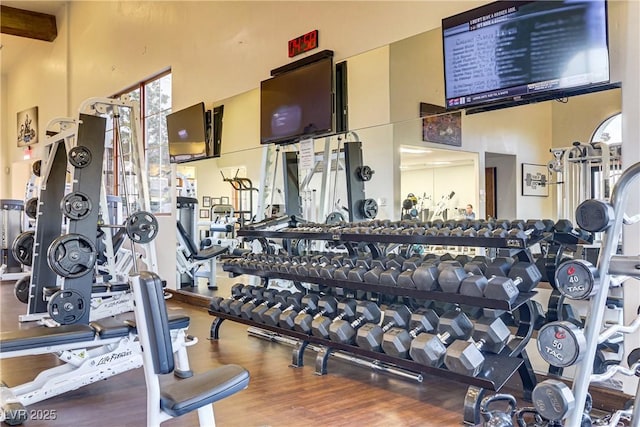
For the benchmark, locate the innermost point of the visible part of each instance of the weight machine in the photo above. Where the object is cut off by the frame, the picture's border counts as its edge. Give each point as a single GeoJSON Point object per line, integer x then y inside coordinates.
{"type": "Point", "coordinates": [66, 261]}
{"type": "Point", "coordinates": [584, 171]}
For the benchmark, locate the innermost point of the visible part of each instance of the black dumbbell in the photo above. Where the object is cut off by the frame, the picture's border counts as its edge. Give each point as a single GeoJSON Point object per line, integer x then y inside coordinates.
{"type": "Point", "coordinates": [320, 325]}
{"type": "Point", "coordinates": [238, 290]}
{"type": "Point", "coordinates": [429, 349]}
{"type": "Point", "coordinates": [345, 332]}
{"type": "Point", "coordinates": [451, 279]}
{"type": "Point", "coordinates": [373, 275]}
{"type": "Point", "coordinates": [324, 263]}
{"type": "Point", "coordinates": [272, 315]}
{"type": "Point", "coordinates": [363, 265]}
{"type": "Point", "coordinates": [370, 335]}
{"type": "Point", "coordinates": [500, 266]}
{"type": "Point", "coordinates": [526, 275]}
{"type": "Point", "coordinates": [244, 309]}
{"type": "Point", "coordinates": [309, 305]}
{"type": "Point", "coordinates": [327, 305]}
{"type": "Point", "coordinates": [397, 341]}
{"type": "Point", "coordinates": [490, 334]}
{"type": "Point", "coordinates": [280, 299]}
{"type": "Point", "coordinates": [425, 277]}
{"type": "Point", "coordinates": [342, 272]}
{"type": "Point", "coordinates": [502, 288]}
{"type": "Point", "coordinates": [405, 278]}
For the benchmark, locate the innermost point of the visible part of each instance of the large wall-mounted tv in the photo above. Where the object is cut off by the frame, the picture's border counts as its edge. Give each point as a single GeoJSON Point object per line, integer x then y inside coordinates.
{"type": "Point", "coordinates": [513, 52]}
{"type": "Point", "coordinates": [297, 103]}
{"type": "Point", "coordinates": [191, 134]}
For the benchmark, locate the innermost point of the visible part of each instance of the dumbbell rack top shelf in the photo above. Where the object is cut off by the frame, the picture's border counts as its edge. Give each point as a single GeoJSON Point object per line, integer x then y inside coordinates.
{"type": "Point", "coordinates": [487, 242]}
{"type": "Point", "coordinates": [497, 369]}
{"type": "Point", "coordinates": [389, 290]}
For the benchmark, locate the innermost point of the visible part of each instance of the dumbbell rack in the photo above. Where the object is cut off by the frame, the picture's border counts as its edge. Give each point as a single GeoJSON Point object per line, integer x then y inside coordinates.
{"type": "Point", "coordinates": [608, 263]}
{"type": "Point", "coordinates": [498, 369]}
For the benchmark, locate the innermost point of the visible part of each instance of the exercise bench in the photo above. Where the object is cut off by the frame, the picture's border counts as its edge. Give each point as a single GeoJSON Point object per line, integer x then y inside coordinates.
{"type": "Point", "coordinates": [191, 260]}
{"type": "Point", "coordinates": [88, 354]}
{"type": "Point", "coordinates": [179, 397]}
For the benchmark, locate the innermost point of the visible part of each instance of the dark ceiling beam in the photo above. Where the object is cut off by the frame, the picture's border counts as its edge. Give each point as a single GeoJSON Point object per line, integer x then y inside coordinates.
{"type": "Point", "coordinates": [25, 23]}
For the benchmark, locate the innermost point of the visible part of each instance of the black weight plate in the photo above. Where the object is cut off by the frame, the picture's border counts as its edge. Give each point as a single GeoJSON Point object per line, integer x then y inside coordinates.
{"type": "Point", "coordinates": [577, 279]}
{"type": "Point", "coordinates": [36, 167]}
{"type": "Point", "coordinates": [72, 255]}
{"type": "Point", "coordinates": [31, 208]}
{"type": "Point", "coordinates": [22, 247]}
{"type": "Point", "coordinates": [369, 208]}
{"type": "Point", "coordinates": [21, 289]}
{"type": "Point", "coordinates": [67, 306]}
{"type": "Point", "coordinates": [334, 218]}
{"type": "Point", "coordinates": [561, 344]}
{"type": "Point", "coordinates": [80, 156]}
{"type": "Point", "coordinates": [142, 227]}
{"type": "Point", "coordinates": [76, 205]}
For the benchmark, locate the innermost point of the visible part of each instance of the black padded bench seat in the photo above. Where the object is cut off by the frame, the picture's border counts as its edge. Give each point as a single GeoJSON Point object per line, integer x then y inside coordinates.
{"type": "Point", "coordinates": [119, 287]}
{"type": "Point", "coordinates": [41, 336]}
{"type": "Point", "coordinates": [210, 252]}
{"type": "Point", "coordinates": [187, 395]}
{"type": "Point", "coordinates": [95, 289]}
{"type": "Point", "coordinates": [110, 327]}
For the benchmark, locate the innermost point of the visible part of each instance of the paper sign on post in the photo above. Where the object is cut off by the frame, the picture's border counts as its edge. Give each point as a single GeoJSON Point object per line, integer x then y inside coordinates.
{"type": "Point", "coordinates": [307, 154]}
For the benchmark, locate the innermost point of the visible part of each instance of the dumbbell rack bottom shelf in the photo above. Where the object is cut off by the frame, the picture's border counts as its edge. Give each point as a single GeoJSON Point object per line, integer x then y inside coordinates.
{"type": "Point", "coordinates": [389, 290]}
{"type": "Point", "coordinates": [496, 372]}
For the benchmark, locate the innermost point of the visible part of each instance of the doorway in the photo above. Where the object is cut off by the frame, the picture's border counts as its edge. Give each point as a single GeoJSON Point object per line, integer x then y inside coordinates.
{"type": "Point", "coordinates": [504, 187]}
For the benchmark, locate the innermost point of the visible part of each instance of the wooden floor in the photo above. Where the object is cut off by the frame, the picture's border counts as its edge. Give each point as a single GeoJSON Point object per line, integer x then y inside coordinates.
{"type": "Point", "coordinates": [278, 395]}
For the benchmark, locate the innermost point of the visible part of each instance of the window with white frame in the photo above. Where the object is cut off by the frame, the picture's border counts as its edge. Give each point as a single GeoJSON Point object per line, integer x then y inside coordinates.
{"type": "Point", "coordinates": [154, 98]}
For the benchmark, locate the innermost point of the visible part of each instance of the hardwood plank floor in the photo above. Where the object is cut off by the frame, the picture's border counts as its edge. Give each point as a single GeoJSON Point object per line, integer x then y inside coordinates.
{"type": "Point", "coordinates": [278, 395]}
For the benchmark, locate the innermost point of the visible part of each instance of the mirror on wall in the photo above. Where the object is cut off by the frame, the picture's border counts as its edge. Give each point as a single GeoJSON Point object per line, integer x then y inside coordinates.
{"type": "Point", "coordinates": [438, 183]}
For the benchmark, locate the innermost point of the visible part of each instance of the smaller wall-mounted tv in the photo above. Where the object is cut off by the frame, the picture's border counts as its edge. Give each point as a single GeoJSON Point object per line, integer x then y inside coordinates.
{"type": "Point", "coordinates": [513, 52]}
{"type": "Point", "coordinates": [297, 104]}
{"type": "Point", "coordinates": [189, 135]}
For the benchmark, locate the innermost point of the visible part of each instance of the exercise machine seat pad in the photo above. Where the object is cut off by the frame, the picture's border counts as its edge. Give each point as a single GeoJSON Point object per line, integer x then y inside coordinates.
{"type": "Point", "coordinates": [119, 287]}
{"type": "Point", "coordinates": [189, 394]}
{"type": "Point", "coordinates": [176, 321]}
{"type": "Point", "coordinates": [110, 327]}
{"type": "Point", "coordinates": [42, 336]}
{"type": "Point", "coordinates": [210, 252]}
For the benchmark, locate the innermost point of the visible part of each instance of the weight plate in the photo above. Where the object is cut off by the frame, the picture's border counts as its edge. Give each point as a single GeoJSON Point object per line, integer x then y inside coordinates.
{"type": "Point", "coordinates": [21, 289]}
{"type": "Point", "coordinates": [142, 227]}
{"type": "Point", "coordinates": [334, 218]}
{"type": "Point", "coordinates": [80, 156]}
{"type": "Point", "coordinates": [67, 306]}
{"type": "Point", "coordinates": [76, 205]}
{"type": "Point", "coordinates": [31, 208]}
{"type": "Point", "coordinates": [561, 344]}
{"type": "Point", "coordinates": [22, 247]}
{"type": "Point", "coordinates": [36, 167]}
{"type": "Point", "coordinates": [365, 173]}
{"type": "Point", "coordinates": [577, 279]}
{"type": "Point", "coordinates": [369, 208]}
{"type": "Point", "coordinates": [72, 255]}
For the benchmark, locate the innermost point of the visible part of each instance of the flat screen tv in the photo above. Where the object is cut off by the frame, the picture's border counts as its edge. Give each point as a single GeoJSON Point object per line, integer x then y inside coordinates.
{"type": "Point", "coordinates": [297, 104]}
{"type": "Point", "coordinates": [188, 137]}
{"type": "Point", "coordinates": [514, 52]}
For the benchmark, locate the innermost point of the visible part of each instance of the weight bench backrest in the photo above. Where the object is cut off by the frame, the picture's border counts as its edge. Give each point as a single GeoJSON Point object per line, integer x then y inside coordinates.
{"type": "Point", "coordinates": [155, 312]}
{"type": "Point", "coordinates": [187, 240]}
